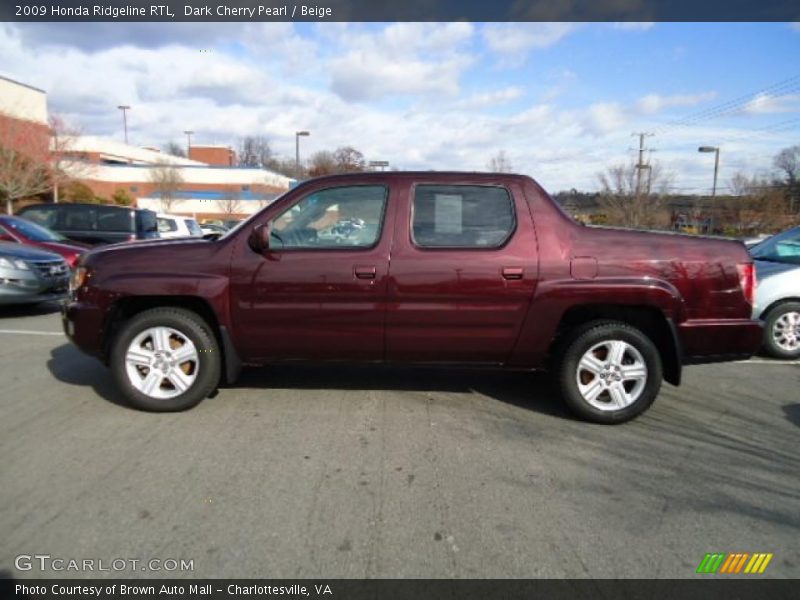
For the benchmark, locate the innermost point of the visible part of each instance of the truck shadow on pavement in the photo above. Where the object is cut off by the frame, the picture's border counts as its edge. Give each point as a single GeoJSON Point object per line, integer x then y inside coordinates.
{"type": "Point", "coordinates": [532, 391]}
{"type": "Point", "coordinates": [792, 412]}
{"type": "Point", "coordinates": [69, 365]}
{"type": "Point", "coordinates": [528, 390]}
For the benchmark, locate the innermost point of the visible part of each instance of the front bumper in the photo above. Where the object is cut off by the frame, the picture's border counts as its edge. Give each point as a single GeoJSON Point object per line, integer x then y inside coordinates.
{"type": "Point", "coordinates": [83, 325]}
{"type": "Point", "coordinates": [20, 287]}
{"type": "Point", "coordinates": [719, 340]}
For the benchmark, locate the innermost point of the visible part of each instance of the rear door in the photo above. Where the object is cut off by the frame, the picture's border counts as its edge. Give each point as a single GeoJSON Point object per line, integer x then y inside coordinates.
{"type": "Point", "coordinates": [462, 274]}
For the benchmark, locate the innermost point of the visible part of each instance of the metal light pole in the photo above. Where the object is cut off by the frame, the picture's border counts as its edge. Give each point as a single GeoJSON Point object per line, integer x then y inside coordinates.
{"type": "Point", "coordinates": [188, 142]}
{"type": "Point", "coordinates": [297, 136]}
{"type": "Point", "coordinates": [125, 108]}
{"type": "Point", "coordinates": [715, 150]}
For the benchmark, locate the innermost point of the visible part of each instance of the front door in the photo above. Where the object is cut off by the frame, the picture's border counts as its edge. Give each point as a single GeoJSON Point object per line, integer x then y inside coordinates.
{"type": "Point", "coordinates": [319, 292]}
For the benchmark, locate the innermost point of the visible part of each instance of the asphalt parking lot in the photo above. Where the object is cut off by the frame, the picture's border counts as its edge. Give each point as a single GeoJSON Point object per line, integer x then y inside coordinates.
{"type": "Point", "coordinates": [351, 473]}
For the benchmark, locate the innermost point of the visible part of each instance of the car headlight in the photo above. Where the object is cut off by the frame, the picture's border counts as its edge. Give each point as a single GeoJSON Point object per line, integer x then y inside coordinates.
{"type": "Point", "coordinates": [14, 263]}
{"type": "Point", "coordinates": [79, 277]}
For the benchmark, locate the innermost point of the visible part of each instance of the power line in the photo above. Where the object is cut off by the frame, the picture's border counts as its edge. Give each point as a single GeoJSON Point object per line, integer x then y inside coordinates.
{"type": "Point", "coordinates": [733, 106]}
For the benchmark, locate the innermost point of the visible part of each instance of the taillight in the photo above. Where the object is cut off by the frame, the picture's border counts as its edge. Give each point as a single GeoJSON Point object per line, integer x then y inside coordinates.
{"type": "Point", "coordinates": [747, 281]}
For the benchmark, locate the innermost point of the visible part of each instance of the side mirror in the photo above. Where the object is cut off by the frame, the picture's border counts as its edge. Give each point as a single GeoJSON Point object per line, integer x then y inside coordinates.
{"type": "Point", "coordinates": [259, 238]}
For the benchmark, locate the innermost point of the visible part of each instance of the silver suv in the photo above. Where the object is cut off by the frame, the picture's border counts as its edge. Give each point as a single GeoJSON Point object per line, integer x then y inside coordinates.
{"type": "Point", "coordinates": [29, 275]}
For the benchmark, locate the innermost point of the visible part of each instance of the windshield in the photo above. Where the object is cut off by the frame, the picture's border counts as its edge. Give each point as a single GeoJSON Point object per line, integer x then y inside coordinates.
{"type": "Point", "coordinates": [34, 232]}
{"type": "Point", "coordinates": [784, 247]}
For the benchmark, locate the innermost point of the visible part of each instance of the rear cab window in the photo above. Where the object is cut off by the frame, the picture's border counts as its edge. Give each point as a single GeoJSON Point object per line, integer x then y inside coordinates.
{"type": "Point", "coordinates": [462, 216]}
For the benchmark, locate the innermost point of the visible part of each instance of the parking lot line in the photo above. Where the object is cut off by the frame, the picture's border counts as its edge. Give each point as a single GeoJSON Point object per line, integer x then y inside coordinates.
{"type": "Point", "coordinates": [769, 361]}
{"type": "Point", "coordinates": [30, 332]}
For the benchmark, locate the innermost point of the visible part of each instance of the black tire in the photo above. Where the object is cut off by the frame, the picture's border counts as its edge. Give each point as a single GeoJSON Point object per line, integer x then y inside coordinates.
{"type": "Point", "coordinates": [578, 343]}
{"type": "Point", "coordinates": [771, 345]}
{"type": "Point", "coordinates": [188, 324]}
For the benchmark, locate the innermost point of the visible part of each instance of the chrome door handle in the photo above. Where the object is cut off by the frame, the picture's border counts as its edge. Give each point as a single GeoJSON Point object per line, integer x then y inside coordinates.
{"type": "Point", "coordinates": [363, 272]}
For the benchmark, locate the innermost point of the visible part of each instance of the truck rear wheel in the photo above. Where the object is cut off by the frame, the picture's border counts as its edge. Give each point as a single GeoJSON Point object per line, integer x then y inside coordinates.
{"type": "Point", "coordinates": [166, 359]}
{"type": "Point", "coordinates": [609, 372]}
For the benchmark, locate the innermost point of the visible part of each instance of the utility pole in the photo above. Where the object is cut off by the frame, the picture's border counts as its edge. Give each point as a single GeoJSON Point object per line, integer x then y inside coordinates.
{"type": "Point", "coordinates": [125, 108]}
{"type": "Point", "coordinates": [640, 165]}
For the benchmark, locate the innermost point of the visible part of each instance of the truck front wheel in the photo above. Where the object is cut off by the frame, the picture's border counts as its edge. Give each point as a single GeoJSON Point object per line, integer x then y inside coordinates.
{"type": "Point", "coordinates": [166, 359]}
{"type": "Point", "coordinates": [608, 372]}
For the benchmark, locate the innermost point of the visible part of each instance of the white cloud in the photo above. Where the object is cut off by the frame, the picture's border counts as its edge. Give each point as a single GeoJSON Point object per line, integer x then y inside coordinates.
{"type": "Point", "coordinates": [361, 76]}
{"type": "Point", "coordinates": [492, 98]}
{"type": "Point", "coordinates": [605, 117]}
{"type": "Point", "coordinates": [633, 25]}
{"type": "Point", "coordinates": [767, 103]}
{"type": "Point", "coordinates": [403, 59]}
{"type": "Point", "coordinates": [654, 103]}
{"type": "Point", "coordinates": [513, 41]}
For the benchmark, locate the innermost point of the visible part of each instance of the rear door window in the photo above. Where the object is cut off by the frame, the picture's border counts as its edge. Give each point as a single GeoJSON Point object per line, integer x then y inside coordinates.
{"type": "Point", "coordinates": [167, 225]}
{"type": "Point", "coordinates": [79, 218]}
{"type": "Point", "coordinates": [146, 221]}
{"type": "Point", "coordinates": [462, 216]}
{"type": "Point", "coordinates": [110, 218]}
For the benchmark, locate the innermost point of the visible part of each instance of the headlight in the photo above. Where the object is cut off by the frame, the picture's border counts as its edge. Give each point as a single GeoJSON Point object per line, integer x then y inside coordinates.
{"type": "Point", "coordinates": [78, 278]}
{"type": "Point", "coordinates": [14, 263]}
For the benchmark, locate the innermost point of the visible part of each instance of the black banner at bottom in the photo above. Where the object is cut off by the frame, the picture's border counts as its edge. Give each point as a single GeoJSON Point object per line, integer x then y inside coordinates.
{"type": "Point", "coordinates": [399, 589]}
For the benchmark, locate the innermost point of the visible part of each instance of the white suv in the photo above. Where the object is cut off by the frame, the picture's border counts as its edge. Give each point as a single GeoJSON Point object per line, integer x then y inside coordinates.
{"type": "Point", "coordinates": [176, 226]}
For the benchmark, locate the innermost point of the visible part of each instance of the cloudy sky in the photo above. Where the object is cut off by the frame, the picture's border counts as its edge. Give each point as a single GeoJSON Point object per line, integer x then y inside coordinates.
{"type": "Point", "coordinates": [562, 100]}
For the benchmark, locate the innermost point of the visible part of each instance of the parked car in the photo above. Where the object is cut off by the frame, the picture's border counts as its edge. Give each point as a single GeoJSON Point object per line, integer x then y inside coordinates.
{"type": "Point", "coordinates": [213, 229]}
{"type": "Point", "coordinates": [417, 268]}
{"type": "Point", "coordinates": [777, 261]}
{"type": "Point", "coordinates": [176, 226]}
{"type": "Point", "coordinates": [30, 275]}
{"type": "Point", "coordinates": [22, 231]}
{"type": "Point", "coordinates": [94, 223]}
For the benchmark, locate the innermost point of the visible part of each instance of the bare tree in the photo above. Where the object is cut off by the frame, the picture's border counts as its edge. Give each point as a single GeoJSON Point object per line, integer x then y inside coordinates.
{"type": "Point", "coordinates": [25, 160]}
{"type": "Point", "coordinates": [167, 181]}
{"type": "Point", "coordinates": [322, 163]}
{"type": "Point", "coordinates": [348, 160]}
{"type": "Point", "coordinates": [740, 184]}
{"type": "Point", "coordinates": [254, 151]}
{"type": "Point", "coordinates": [626, 204]}
{"type": "Point", "coordinates": [68, 165]}
{"type": "Point", "coordinates": [500, 163]}
{"type": "Point", "coordinates": [288, 167]}
{"type": "Point", "coordinates": [175, 149]}
{"type": "Point", "coordinates": [788, 161]}
{"type": "Point", "coordinates": [230, 204]}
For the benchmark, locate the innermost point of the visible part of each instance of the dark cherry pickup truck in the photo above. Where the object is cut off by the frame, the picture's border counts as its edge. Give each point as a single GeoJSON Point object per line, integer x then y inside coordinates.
{"type": "Point", "coordinates": [429, 268]}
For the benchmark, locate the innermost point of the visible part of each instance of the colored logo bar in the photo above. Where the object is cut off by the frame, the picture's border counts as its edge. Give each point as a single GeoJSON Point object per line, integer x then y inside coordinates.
{"type": "Point", "coordinates": [734, 563]}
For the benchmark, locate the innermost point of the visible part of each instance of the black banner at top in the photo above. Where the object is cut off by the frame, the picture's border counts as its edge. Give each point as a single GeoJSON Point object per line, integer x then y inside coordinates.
{"type": "Point", "coordinates": [405, 10]}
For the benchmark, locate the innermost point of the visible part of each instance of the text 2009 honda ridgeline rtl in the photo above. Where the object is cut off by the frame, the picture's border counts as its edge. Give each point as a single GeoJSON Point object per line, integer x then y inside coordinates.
{"type": "Point", "coordinates": [417, 268]}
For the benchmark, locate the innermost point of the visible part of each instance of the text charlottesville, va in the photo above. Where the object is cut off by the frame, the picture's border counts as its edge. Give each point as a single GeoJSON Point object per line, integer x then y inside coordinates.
{"type": "Point", "coordinates": [257, 11]}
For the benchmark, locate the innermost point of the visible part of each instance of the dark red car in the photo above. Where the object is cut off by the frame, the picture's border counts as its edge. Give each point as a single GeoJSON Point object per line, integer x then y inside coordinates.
{"type": "Point", "coordinates": [22, 231]}
{"type": "Point", "coordinates": [417, 268]}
